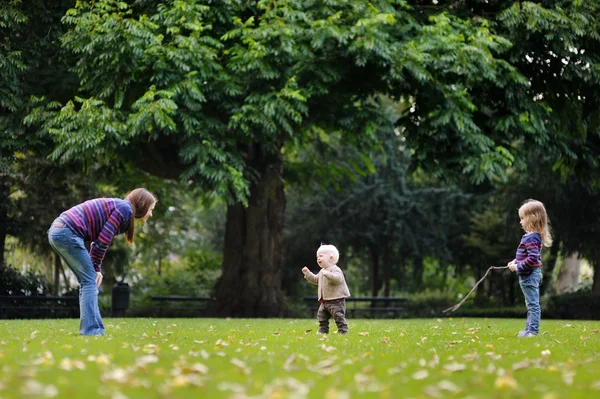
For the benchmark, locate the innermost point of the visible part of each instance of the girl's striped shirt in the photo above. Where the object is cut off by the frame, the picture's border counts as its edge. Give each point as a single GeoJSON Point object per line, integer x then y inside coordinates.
{"type": "Point", "coordinates": [99, 220]}
{"type": "Point", "coordinates": [529, 253]}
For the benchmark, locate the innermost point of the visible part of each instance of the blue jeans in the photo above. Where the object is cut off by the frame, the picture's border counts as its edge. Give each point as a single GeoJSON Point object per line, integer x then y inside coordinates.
{"type": "Point", "coordinates": [530, 285]}
{"type": "Point", "coordinates": [71, 249]}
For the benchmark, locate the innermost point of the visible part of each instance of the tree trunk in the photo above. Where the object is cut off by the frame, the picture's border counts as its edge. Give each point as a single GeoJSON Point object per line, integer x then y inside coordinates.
{"type": "Point", "coordinates": [250, 285]}
{"type": "Point", "coordinates": [478, 292]}
{"type": "Point", "coordinates": [3, 219]}
{"type": "Point", "coordinates": [548, 269]}
{"type": "Point", "coordinates": [387, 273]}
{"type": "Point", "coordinates": [568, 276]}
{"type": "Point", "coordinates": [596, 283]}
{"type": "Point", "coordinates": [65, 279]}
{"type": "Point", "coordinates": [57, 267]}
{"type": "Point", "coordinates": [374, 255]}
{"type": "Point", "coordinates": [417, 273]}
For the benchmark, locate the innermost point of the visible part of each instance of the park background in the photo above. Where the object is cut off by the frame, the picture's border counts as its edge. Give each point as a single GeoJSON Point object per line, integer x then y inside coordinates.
{"type": "Point", "coordinates": [407, 133]}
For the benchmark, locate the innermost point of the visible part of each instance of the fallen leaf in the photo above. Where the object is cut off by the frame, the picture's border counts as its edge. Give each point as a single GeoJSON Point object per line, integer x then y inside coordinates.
{"type": "Point", "coordinates": [241, 365]}
{"type": "Point", "coordinates": [144, 360]}
{"type": "Point", "coordinates": [289, 365]}
{"type": "Point", "coordinates": [448, 386]}
{"type": "Point", "coordinates": [420, 375]}
{"type": "Point", "coordinates": [36, 388]}
{"type": "Point", "coordinates": [506, 381]}
{"type": "Point", "coordinates": [327, 348]}
{"type": "Point", "coordinates": [452, 367]}
{"type": "Point", "coordinates": [568, 377]}
{"type": "Point", "coordinates": [521, 365]}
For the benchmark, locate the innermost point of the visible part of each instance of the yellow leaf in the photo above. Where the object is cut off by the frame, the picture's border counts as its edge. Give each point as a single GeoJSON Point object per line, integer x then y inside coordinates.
{"type": "Point", "coordinates": [506, 381]}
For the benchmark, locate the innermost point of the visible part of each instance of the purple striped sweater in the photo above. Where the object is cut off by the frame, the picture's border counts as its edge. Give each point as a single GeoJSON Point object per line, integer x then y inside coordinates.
{"type": "Point", "coordinates": [529, 253]}
{"type": "Point", "coordinates": [99, 220]}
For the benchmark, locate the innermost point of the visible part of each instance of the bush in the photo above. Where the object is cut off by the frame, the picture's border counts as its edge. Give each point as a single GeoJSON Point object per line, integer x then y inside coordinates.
{"type": "Point", "coordinates": [577, 305]}
{"type": "Point", "coordinates": [13, 282]}
{"type": "Point", "coordinates": [514, 312]}
{"type": "Point", "coordinates": [429, 304]}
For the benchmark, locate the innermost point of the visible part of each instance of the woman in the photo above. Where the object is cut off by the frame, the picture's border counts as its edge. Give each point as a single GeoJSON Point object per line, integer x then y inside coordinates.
{"type": "Point", "coordinates": [97, 220]}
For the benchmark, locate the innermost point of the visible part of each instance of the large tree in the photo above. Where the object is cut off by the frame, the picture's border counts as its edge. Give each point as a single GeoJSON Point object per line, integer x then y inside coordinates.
{"type": "Point", "coordinates": [218, 92]}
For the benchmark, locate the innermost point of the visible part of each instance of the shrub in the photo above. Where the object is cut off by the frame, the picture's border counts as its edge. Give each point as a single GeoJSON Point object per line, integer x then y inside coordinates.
{"type": "Point", "coordinates": [13, 282]}
{"type": "Point", "coordinates": [576, 305]}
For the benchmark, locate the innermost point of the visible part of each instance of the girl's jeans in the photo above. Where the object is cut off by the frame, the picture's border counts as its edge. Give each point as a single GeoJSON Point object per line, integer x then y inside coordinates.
{"type": "Point", "coordinates": [530, 285]}
{"type": "Point", "coordinates": [71, 249]}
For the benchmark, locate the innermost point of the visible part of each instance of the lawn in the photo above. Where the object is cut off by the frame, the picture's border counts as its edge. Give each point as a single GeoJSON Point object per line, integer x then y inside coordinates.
{"type": "Point", "coordinates": [285, 358]}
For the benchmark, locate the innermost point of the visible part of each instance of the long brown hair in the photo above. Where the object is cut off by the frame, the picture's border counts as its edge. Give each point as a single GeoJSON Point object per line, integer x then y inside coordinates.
{"type": "Point", "coordinates": [141, 200]}
{"type": "Point", "coordinates": [535, 219]}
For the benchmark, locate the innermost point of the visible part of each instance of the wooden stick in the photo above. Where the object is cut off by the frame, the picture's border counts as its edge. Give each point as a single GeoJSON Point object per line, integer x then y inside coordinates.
{"type": "Point", "coordinates": [453, 308]}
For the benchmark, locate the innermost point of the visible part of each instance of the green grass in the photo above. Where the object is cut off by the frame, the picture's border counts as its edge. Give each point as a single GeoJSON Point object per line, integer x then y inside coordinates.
{"type": "Point", "coordinates": [283, 358]}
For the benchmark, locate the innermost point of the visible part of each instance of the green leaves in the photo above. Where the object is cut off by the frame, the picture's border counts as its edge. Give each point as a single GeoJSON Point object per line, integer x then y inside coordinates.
{"type": "Point", "coordinates": [236, 75]}
{"type": "Point", "coordinates": [83, 126]}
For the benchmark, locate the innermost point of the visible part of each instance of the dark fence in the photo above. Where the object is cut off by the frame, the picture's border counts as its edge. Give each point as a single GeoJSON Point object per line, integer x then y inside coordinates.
{"type": "Point", "coordinates": [579, 305]}
{"type": "Point", "coordinates": [38, 307]}
{"type": "Point", "coordinates": [368, 307]}
{"type": "Point", "coordinates": [179, 306]}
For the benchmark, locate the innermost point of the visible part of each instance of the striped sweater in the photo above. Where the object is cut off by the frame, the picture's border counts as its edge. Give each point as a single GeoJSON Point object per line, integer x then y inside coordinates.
{"type": "Point", "coordinates": [529, 253]}
{"type": "Point", "coordinates": [99, 220]}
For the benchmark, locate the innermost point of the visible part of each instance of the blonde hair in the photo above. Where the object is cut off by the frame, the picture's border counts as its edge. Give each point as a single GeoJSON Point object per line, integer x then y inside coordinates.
{"type": "Point", "coordinates": [331, 250]}
{"type": "Point", "coordinates": [536, 220]}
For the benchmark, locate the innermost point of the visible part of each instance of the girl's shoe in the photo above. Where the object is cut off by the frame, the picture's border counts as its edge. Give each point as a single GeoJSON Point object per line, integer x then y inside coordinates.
{"type": "Point", "coordinates": [526, 334]}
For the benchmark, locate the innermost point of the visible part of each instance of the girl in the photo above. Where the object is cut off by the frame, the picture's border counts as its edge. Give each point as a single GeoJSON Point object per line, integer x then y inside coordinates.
{"type": "Point", "coordinates": [97, 220]}
{"type": "Point", "coordinates": [528, 262]}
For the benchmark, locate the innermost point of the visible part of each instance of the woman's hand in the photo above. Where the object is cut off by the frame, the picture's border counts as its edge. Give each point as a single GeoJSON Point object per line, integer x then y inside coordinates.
{"type": "Point", "coordinates": [98, 279]}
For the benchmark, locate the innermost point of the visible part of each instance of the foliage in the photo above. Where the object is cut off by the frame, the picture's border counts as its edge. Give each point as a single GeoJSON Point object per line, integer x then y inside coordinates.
{"type": "Point", "coordinates": [390, 219]}
{"type": "Point", "coordinates": [45, 190]}
{"type": "Point", "coordinates": [148, 70]}
{"type": "Point", "coordinates": [478, 358]}
{"type": "Point", "coordinates": [14, 282]}
{"type": "Point", "coordinates": [576, 305]}
{"type": "Point", "coordinates": [31, 64]}
{"type": "Point", "coordinates": [560, 57]}
{"type": "Point", "coordinates": [194, 278]}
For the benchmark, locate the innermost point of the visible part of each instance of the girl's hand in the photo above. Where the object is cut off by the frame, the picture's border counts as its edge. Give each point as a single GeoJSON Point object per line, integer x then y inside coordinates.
{"type": "Point", "coordinates": [304, 270]}
{"type": "Point", "coordinates": [512, 265]}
